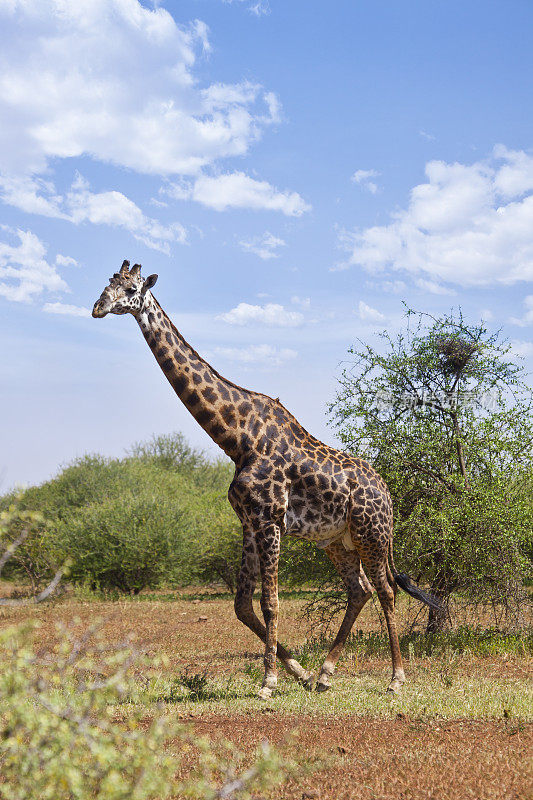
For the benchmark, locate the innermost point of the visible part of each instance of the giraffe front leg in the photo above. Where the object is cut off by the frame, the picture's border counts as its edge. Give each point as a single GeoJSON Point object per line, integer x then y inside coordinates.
{"type": "Point", "coordinates": [245, 611]}
{"type": "Point", "coordinates": [268, 546]}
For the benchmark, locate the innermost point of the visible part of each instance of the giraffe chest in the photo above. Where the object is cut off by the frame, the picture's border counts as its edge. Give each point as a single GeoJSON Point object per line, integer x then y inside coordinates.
{"type": "Point", "coordinates": [316, 513]}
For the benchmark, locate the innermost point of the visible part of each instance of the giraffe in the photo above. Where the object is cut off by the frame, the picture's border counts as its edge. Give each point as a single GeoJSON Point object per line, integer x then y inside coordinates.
{"type": "Point", "coordinates": [286, 483]}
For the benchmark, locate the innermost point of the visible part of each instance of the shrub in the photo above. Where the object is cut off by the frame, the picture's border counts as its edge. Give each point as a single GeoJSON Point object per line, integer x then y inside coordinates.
{"type": "Point", "coordinates": [21, 539]}
{"type": "Point", "coordinates": [160, 515]}
{"type": "Point", "coordinates": [57, 737]}
{"type": "Point", "coordinates": [169, 451]}
{"type": "Point", "coordinates": [123, 543]}
{"type": "Point", "coordinates": [60, 739]}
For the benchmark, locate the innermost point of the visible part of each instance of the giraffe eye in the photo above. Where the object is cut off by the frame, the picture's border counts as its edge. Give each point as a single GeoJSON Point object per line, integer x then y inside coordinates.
{"type": "Point", "coordinates": [130, 292]}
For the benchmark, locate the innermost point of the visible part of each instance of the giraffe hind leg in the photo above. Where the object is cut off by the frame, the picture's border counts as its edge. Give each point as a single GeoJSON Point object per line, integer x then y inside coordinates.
{"type": "Point", "coordinates": [348, 565]}
{"type": "Point", "coordinates": [370, 525]}
{"type": "Point", "coordinates": [377, 569]}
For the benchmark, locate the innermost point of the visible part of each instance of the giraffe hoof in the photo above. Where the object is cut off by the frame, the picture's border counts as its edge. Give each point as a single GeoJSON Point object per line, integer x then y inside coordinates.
{"type": "Point", "coordinates": [322, 686]}
{"type": "Point", "coordinates": [264, 693]}
{"type": "Point", "coordinates": [309, 682]}
{"type": "Point", "coordinates": [394, 687]}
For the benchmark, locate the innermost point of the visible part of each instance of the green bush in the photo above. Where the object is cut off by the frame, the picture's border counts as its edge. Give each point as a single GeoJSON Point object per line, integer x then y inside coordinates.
{"type": "Point", "coordinates": [158, 516]}
{"type": "Point", "coordinates": [67, 728]}
{"type": "Point", "coordinates": [60, 738]}
{"type": "Point", "coordinates": [123, 543]}
{"type": "Point", "coordinates": [169, 451]}
{"type": "Point", "coordinates": [22, 533]}
{"type": "Point", "coordinates": [57, 736]}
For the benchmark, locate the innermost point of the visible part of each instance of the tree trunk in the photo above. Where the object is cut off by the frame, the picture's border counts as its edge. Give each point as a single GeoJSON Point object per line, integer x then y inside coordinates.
{"type": "Point", "coordinates": [441, 589]}
{"type": "Point", "coordinates": [438, 619]}
{"type": "Point", "coordinates": [460, 454]}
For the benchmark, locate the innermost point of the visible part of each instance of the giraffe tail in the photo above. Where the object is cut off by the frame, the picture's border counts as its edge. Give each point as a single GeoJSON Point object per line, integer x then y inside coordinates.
{"type": "Point", "coordinates": [405, 583]}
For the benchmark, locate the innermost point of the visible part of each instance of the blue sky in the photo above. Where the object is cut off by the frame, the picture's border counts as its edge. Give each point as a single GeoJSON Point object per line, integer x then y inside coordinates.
{"type": "Point", "coordinates": [292, 171]}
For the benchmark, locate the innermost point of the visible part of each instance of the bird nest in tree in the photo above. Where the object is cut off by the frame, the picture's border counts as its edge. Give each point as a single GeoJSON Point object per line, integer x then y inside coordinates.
{"type": "Point", "coordinates": [455, 352]}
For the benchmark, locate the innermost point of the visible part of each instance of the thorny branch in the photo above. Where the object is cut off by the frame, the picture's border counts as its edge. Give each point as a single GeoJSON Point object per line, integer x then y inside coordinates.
{"type": "Point", "coordinates": [36, 598]}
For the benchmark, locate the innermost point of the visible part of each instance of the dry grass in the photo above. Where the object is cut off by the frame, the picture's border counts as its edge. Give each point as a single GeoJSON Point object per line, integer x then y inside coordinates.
{"type": "Point", "coordinates": [398, 759]}
{"type": "Point", "coordinates": [461, 728]}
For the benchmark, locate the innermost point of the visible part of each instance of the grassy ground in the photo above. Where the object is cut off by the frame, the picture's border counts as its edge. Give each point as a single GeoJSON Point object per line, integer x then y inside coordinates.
{"type": "Point", "coordinates": [461, 728]}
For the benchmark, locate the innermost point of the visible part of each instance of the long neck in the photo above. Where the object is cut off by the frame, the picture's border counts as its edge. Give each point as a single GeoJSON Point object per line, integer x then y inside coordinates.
{"type": "Point", "coordinates": [229, 415]}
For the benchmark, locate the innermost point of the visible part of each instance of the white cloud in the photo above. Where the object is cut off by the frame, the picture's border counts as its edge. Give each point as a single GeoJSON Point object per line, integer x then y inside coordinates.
{"type": "Point", "coordinates": [391, 287]}
{"type": "Point", "coordinates": [428, 136]}
{"type": "Point", "coordinates": [274, 107]}
{"type": "Point", "coordinates": [65, 308]}
{"type": "Point", "coordinates": [304, 302]}
{"type": "Point", "coordinates": [25, 272]}
{"type": "Point", "coordinates": [362, 177]}
{"type": "Point", "coordinates": [515, 176]}
{"type": "Point", "coordinates": [66, 261]}
{"type": "Point", "coordinates": [486, 315]}
{"type": "Point", "coordinates": [238, 190]}
{"type": "Point", "coordinates": [114, 80]}
{"type": "Point", "coordinates": [369, 314]}
{"type": "Point", "coordinates": [522, 349]}
{"type": "Point", "coordinates": [257, 353]}
{"type": "Point", "coordinates": [265, 246]}
{"type": "Point", "coordinates": [468, 224]}
{"type": "Point", "coordinates": [256, 7]}
{"type": "Point", "coordinates": [270, 314]}
{"type": "Point", "coordinates": [259, 8]}
{"type": "Point", "coordinates": [158, 203]}
{"type": "Point", "coordinates": [433, 287]}
{"type": "Point", "coordinates": [34, 195]}
{"type": "Point", "coordinates": [527, 319]}
{"type": "Point", "coordinates": [115, 209]}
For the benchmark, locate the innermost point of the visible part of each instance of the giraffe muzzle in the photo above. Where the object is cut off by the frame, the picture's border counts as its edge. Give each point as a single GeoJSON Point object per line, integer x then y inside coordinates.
{"type": "Point", "coordinates": [99, 310]}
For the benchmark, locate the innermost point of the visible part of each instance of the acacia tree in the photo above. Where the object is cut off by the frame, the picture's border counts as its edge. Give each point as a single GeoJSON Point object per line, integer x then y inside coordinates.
{"type": "Point", "coordinates": [444, 414]}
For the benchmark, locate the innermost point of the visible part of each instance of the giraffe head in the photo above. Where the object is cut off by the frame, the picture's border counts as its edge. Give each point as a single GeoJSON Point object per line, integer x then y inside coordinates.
{"type": "Point", "coordinates": [125, 293]}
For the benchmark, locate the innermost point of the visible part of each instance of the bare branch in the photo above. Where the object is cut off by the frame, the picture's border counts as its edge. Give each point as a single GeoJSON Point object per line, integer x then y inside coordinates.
{"type": "Point", "coordinates": [37, 598]}
{"type": "Point", "coordinates": [10, 549]}
{"type": "Point", "coordinates": [228, 789]}
{"type": "Point", "coordinates": [432, 474]}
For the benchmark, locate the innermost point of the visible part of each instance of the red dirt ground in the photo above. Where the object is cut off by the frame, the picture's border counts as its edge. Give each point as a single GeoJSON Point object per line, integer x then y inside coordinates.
{"type": "Point", "coordinates": [354, 758]}
{"type": "Point", "coordinates": [389, 760]}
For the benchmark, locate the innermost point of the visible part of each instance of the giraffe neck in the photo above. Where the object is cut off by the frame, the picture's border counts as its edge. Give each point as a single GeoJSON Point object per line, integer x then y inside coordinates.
{"type": "Point", "coordinates": [224, 411]}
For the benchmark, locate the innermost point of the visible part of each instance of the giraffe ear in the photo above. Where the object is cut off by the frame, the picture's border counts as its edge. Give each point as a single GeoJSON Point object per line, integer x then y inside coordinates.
{"type": "Point", "coordinates": [149, 282]}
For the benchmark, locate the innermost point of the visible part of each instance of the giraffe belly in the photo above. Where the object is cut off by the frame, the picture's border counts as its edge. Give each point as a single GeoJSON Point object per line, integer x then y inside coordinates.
{"type": "Point", "coordinates": [309, 518]}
